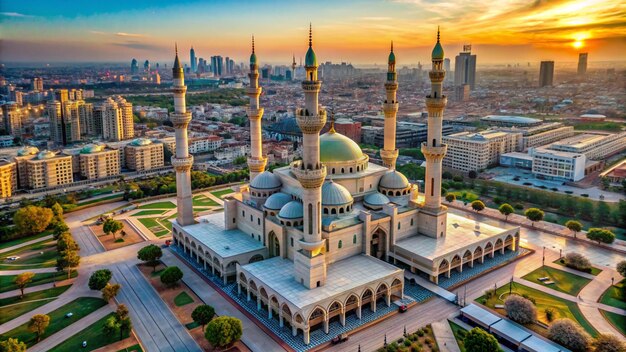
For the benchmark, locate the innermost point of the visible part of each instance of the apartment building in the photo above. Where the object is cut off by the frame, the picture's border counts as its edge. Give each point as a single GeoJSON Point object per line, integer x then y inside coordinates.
{"type": "Point", "coordinates": [204, 144]}
{"type": "Point", "coordinates": [12, 117]}
{"type": "Point", "coordinates": [8, 178]}
{"type": "Point", "coordinates": [142, 154]}
{"type": "Point", "coordinates": [23, 155]}
{"type": "Point", "coordinates": [96, 162]}
{"type": "Point", "coordinates": [48, 169]}
{"type": "Point", "coordinates": [476, 151]}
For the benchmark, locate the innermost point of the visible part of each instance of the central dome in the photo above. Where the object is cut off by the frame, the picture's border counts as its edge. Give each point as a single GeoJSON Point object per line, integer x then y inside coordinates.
{"type": "Point", "coordinates": [335, 147]}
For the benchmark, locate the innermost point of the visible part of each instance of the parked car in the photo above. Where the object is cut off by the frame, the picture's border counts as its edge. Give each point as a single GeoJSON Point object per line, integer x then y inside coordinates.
{"type": "Point", "coordinates": [69, 315]}
{"type": "Point", "coordinates": [403, 308]}
{"type": "Point", "coordinates": [339, 339]}
{"type": "Point", "coordinates": [168, 243]}
{"type": "Point", "coordinates": [13, 258]}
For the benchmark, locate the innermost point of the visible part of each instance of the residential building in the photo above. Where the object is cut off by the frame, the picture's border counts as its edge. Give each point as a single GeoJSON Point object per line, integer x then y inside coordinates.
{"type": "Point", "coordinates": [97, 162]}
{"type": "Point", "coordinates": [12, 116]}
{"type": "Point", "coordinates": [48, 169]}
{"type": "Point", "coordinates": [142, 155]}
{"type": "Point", "coordinates": [476, 151]}
{"type": "Point", "coordinates": [8, 178]}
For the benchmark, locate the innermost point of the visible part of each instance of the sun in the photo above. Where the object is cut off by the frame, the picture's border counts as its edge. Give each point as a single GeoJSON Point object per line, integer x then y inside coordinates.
{"type": "Point", "coordinates": [578, 44]}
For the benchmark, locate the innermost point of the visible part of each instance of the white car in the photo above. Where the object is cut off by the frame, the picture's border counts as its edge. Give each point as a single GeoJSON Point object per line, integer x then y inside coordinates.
{"type": "Point", "coordinates": [13, 258]}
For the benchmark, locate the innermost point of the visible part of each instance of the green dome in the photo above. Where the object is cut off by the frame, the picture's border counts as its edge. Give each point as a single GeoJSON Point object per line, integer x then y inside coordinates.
{"type": "Point", "coordinates": [140, 142]}
{"type": "Point", "coordinates": [310, 59]}
{"type": "Point", "coordinates": [27, 150]}
{"type": "Point", "coordinates": [392, 58]}
{"type": "Point", "coordinates": [253, 59]}
{"type": "Point", "coordinates": [46, 154]}
{"type": "Point", "coordinates": [335, 147]}
{"type": "Point", "coordinates": [438, 52]}
{"type": "Point", "coordinates": [92, 148]}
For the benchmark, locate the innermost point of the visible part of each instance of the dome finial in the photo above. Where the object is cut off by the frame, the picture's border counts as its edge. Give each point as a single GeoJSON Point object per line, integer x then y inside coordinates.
{"type": "Point", "coordinates": [176, 48]}
{"type": "Point", "coordinates": [392, 46]}
{"type": "Point", "coordinates": [310, 34]}
{"type": "Point", "coordinates": [437, 34]}
{"type": "Point", "coordinates": [253, 43]}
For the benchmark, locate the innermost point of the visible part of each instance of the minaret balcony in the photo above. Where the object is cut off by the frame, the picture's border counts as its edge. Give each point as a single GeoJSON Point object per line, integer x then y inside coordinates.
{"type": "Point", "coordinates": [182, 164]}
{"type": "Point", "coordinates": [434, 153]}
{"type": "Point", "coordinates": [254, 75]}
{"type": "Point", "coordinates": [309, 178]}
{"type": "Point", "coordinates": [254, 91]}
{"type": "Point", "coordinates": [437, 76]}
{"type": "Point", "coordinates": [180, 119]}
{"type": "Point", "coordinates": [257, 164]}
{"type": "Point", "coordinates": [254, 113]}
{"type": "Point", "coordinates": [310, 124]}
{"type": "Point", "coordinates": [179, 89]}
{"type": "Point", "coordinates": [390, 109]}
{"type": "Point", "coordinates": [311, 86]}
{"type": "Point", "coordinates": [436, 103]}
{"type": "Point", "coordinates": [391, 85]}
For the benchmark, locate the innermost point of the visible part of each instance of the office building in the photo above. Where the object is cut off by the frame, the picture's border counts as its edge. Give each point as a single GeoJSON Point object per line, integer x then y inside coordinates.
{"type": "Point", "coordinates": [582, 63]}
{"type": "Point", "coordinates": [465, 68]}
{"type": "Point", "coordinates": [37, 84]}
{"type": "Point", "coordinates": [194, 60]}
{"type": "Point", "coordinates": [558, 165]}
{"type": "Point", "coordinates": [98, 162]}
{"type": "Point", "coordinates": [474, 151]}
{"type": "Point", "coordinates": [134, 67]}
{"type": "Point", "coordinates": [64, 119]}
{"type": "Point", "coordinates": [546, 73]}
{"type": "Point", "coordinates": [12, 117]}
{"type": "Point", "coordinates": [142, 154]}
{"type": "Point", "coordinates": [8, 178]}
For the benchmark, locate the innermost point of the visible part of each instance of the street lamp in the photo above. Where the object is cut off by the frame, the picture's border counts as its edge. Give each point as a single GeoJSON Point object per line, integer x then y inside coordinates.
{"type": "Point", "coordinates": [511, 286]}
{"type": "Point", "coordinates": [612, 281]}
{"type": "Point", "coordinates": [385, 344]}
{"type": "Point", "coordinates": [543, 259]}
{"type": "Point", "coordinates": [560, 253]}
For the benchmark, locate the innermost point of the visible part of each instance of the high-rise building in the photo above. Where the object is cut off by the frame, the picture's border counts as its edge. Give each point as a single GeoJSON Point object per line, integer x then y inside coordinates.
{"type": "Point", "coordinates": [134, 67]}
{"type": "Point", "coordinates": [446, 64]}
{"type": "Point", "coordinates": [64, 118]}
{"type": "Point", "coordinates": [12, 115]}
{"type": "Point", "coordinates": [465, 68]}
{"type": "Point", "coordinates": [86, 120]}
{"type": "Point", "coordinates": [582, 63]}
{"type": "Point", "coordinates": [37, 84]}
{"type": "Point", "coordinates": [194, 60]}
{"type": "Point", "coordinates": [98, 162]}
{"type": "Point", "coordinates": [126, 112]}
{"type": "Point", "coordinates": [8, 178]}
{"type": "Point", "coordinates": [546, 73]}
{"type": "Point", "coordinates": [217, 65]}
{"type": "Point", "coordinates": [111, 121]}
{"type": "Point", "coordinates": [146, 66]}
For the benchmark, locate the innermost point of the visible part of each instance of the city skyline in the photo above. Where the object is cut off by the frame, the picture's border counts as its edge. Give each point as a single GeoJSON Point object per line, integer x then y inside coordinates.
{"type": "Point", "coordinates": [353, 31]}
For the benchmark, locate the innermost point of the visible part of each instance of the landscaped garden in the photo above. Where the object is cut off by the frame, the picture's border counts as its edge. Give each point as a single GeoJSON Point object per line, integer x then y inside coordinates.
{"type": "Point", "coordinates": [615, 295]}
{"type": "Point", "coordinates": [7, 281]}
{"type": "Point", "coordinates": [459, 334]}
{"type": "Point", "coordinates": [149, 212]}
{"type": "Point", "coordinates": [559, 280]}
{"type": "Point", "coordinates": [158, 205]}
{"type": "Point", "coordinates": [17, 241]}
{"type": "Point", "coordinates": [560, 308]}
{"type": "Point", "coordinates": [618, 321]}
{"type": "Point", "coordinates": [203, 201]}
{"type": "Point", "coordinates": [80, 307]}
{"type": "Point", "coordinates": [155, 226]}
{"type": "Point", "coordinates": [13, 307]}
{"type": "Point", "coordinates": [41, 254]}
{"type": "Point", "coordinates": [594, 271]}
{"type": "Point", "coordinates": [421, 340]}
{"type": "Point", "coordinates": [221, 193]}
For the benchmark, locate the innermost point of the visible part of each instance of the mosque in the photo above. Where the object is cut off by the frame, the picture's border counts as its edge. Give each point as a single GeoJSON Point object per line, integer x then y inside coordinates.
{"type": "Point", "coordinates": [327, 235]}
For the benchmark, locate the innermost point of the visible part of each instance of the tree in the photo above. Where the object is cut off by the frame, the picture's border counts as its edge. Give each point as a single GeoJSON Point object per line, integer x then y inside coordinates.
{"type": "Point", "coordinates": [478, 340]}
{"type": "Point", "coordinates": [600, 235]}
{"type": "Point", "coordinates": [151, 255]}
{"type": "Point", "coordinates": [223, 331]}
{"type": "Point", "coordinates": [38, 324]}
{"type": "Point", "coordinates": [99, 279]}
{"type": "Point", "coordinates": [66, 242]}
{"type": "Point", "coordinates": [472, 174]}
{"type": "Point", "coordinates": [57, 210]}
{"type": "Point", "coordinates": [621, 268]}
{"type": "Point", "coordinates": [569, 334]}
{"type": "Point", "coordinates": [32, 220]}
{"type": "Point", "coordinates": [110, 291]}
{"type": "Point", "coordinates": [59, 228]}
{"type": "Point", "coordinates": [203, 314]}
{"type": "Point", "coordinates": [574, 226]}
{"type": "Point", "coordinates": [608, 343]}
{"type": "Point", "coordinates": [534, 215]}
{"type": "Point", "coordinates": [121, 312]}
{"type": "Point", "coordinates": [69, 259]}
{"type": "Point", "coordinates": [450, 197]}
{"type": "Point", "coordinates": [23, 279]}
{"type": "Point", "coordinates": [171, 276]}
{"type": "Point", "coordinates": [506, 209]}
{"type": "Point", "coordinates": [520, 309]}
{"type": "Point", "coordinates": [577, 261]}
{"type": "Point", "coordinates": [112, 226]}
{"type": "Point", "coordinates": [478, 205]}
{"type": "Point", "coordinates": [111, 326]}
{"type": "Point", "coordinates": [125, 326]}
{"type": "Point", "coordinates": [12, 345]}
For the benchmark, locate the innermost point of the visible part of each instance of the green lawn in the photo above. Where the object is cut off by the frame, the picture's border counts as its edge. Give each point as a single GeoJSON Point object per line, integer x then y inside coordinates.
{"type": "Point", "coordinates": [158, 205]}
{"type": "Point", "coordinates": [618, 321]}
{"type": "Point", "coordinates": [149, 212]}
{"type": "Point", "coordinates": [154, 226]}
{"type": "Point", "coordinates": [615, 295]}
{"type": "Point", "coordinates": [562, 308]}
{"type": "Point", "coordinates": [17, 241]}
{"type": "Point", "coordinates": [133, 348]}
{"type": "Point", "coordinates": [204, 201]}
{"type": "Point", "coordinates": [459, 334]}
{"type": "Point", "coordinates": [98, 200]}
{"type": "Point", "coordinates": [13, 307]}
{"type": "Point", "coordinates": [45, 258]}
{"type": "Point", "coordinates": [465, 195]}
{"type": "Point", "coordinates": [80, 307]}
{"type": "Point", "coordinates": [6, 281]}
{"type": "Point", "coordinates": [594, 271]}
{"type": "Point", "coordinates": [182, 299]}
{"type": "Point", "coordinates": [221, 193]}
{"type": "Point", "coordinates": [93, 335]}
{"type": "Point", "coordinates": [563, 281]}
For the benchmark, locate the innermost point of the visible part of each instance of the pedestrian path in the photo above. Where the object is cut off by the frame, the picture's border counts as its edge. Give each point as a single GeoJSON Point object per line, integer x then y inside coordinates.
{"type": "Point", "coordinates": [33, 270]}
{"type": "Point", "coordinates": [445, 337]}
{"type": "Point", "coordinates": [23, 244]}
{"type": "Point", "coordinates": [570, 270]}
{"type": "Point", "coordinates": [57, 338]}
{"type": "Point", "coordinates": [436, 289]}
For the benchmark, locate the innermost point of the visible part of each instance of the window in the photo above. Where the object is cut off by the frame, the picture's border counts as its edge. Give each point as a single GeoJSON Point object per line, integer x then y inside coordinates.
{"type": "Point", "coordinates": [318, 284]}
{"type": "Point", "coordinates": [251, 218]}
{"type": "Point", "coordinates": [291, 241]}
{"type": "Point", "coordinates": [399, 225]}
{"type": "Point", "coordinates": [340, 244]}
{"type": "Point", "coordinates": [258, 221]}
{"type": "Point", "coordinates": [310, 219]}
{"type": "Point", "coordinates": [243, 213]}
{"type": "Point", "coordinates": [411, 222]}
{"type": "Point", "coordinates": [354, 239]}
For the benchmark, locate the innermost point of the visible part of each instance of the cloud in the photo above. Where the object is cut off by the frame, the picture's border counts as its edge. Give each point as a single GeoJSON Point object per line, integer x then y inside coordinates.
{"type": "Point", "coordinates": [376, 18]}
{"type": "Point", "coordinates": [98, 32]}
{"type": "Point", "coordinates": [15, 14]}
{"type": "Point", "coordinates": [137, 45]}
{"type": "Point", "coordinates": [122, 34]}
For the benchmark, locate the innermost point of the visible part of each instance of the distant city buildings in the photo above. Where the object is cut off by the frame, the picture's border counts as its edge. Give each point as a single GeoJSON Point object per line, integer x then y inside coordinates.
{"type": "Point", "coordinates": [12, 116]}
{"type": "Point", "coordinates": [546, 73]}
{"type": "Point", "coordinates": [194, 60]}
{"type": "Point", "coordinates": [582, 63]}
{"type": "Point", "coordinates": [465, 68]}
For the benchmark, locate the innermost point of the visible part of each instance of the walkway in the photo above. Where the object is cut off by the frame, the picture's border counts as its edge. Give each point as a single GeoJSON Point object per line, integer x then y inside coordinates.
{"type": "Point", "coordinates": [33, 270]}
{"type": "Point", "coordinates": [23, 244]}
{"type": "Point", "coordinates": [445, 337]}
{"type": "Point", "coordinates": [154, 322]}
{"type": "Point", "coordinates": [436, 289]}
{"type": "Point", "coordinates": [60, 336]}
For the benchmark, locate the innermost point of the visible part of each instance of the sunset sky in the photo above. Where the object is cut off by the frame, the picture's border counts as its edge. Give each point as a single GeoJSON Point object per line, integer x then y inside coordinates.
{"type": "Point", "coordinates": [505, 31]}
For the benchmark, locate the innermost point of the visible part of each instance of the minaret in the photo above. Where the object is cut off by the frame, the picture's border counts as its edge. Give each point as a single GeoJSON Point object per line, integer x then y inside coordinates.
{"type": "Point", "coordinates": [434, 214]}
{"type": "Point", "coordinates": [389, 153]}
{"type": "Point", "coordinates": [181, 161]}
{"type": "Point", "coordinates": [256, 160]}
{"type": "Point", "coordinates": [310, 264]}
{"type": "Point", "coordinates": [293, 68]}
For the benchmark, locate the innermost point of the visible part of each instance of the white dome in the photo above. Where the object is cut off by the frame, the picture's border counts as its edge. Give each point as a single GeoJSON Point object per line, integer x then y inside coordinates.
{"type": "Point", "coordinates": [27, 150]}
{"type": "Point", "coordinates": [276, 201]}
{"type": "Point", "coordinates": [394, 180]}
{"type": "Point", "coordinates": [265, 180]}
{"type": "Point", "coordinates": [45, 154]}
{"type": "Point", "coordinates": [335, 194]}
{"type": "Point", "coordinates": [376, 199]}
{"type": "Point", "coordinates": [292, 210]}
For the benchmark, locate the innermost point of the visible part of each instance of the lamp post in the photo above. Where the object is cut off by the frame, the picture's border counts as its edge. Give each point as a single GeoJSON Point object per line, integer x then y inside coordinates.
{"type": "Point", "coordinates": [612, 281]}
{"type": "Point", "coordinates": [560, 253]}
{"type": "Point", "coordinates": [543, 259]}
{"type": "Point", "coordinates": [385, 343]}
{"type": "Point", "coordinates": [511, 286]}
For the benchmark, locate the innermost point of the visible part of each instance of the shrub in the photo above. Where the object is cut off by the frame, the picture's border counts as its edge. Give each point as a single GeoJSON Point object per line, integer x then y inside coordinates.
{"type": "Point", "coordinates": [428, 341]}
{"type": "Point", "coordinates": [223, 331]}
{"type": "Point", "coordinates": [407, 343]}
{"type": "Point", "coordinates": [498, 200]}
{"type": "Point", "coordinates": [525, 295]}
{"type": "Point", "coordinates": [608, 343]}
{"type": "Point", "coordinates": [584, 195]}
{"type": "Point", "coordinates": [520, 309]}
{"type": "Point", "coordinates": [457, 178]}
{"type": "Point", "coordinates": [600, 235]}
{"type": "Point", "coordinates": [621, 268]}
{"type": "Point", "coordinates": [478, 340]}
{"type": "Point", "coordinates": [420, 332]}
{"type": "Point", "coordinates": [549, 314]}
{"type": "Point", "coordinates": [577, 261]}
{"type": "Point", "coordinates": [569, 334]}
{"type": "Point", "coordinates": [478, 205]}
{"type": "Point", "coordinates": [171, 276]}
{"type": "Point", "coordinates": [99, 279]}
{"type": "Point", "coordinates": [518, 206]}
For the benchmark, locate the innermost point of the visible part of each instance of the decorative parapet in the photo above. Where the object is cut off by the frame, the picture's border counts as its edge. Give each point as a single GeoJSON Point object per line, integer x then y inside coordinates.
{"type": "Point", "coordinates": [180, 120]}
{"type": "Point", "coordinates": [434, 153]}
{"type": "Point", "coordinates": [389, 157]}
{"type": "Point", "coordinates": [311, 124]}
{"type": "Point", "coordinates": [391, 85]}
{"type": "Point", "coordinates": [254, 92]}
{"type": "Point", "coordinates": [309, 178]}
{"type": "Point", "coordinates": [254, 114]}
{"type": "Point", "coordinates": [257, 164]}
{"type": "Point", "coordinates": [437, 76]}
{"type": "Point", "coordinates": [311, 86]}
{"type": "Point", "coordinates": [182, 164]}
{"type": "Point", "coordinates": [179, 89]}
{"type": "Point", "coordinates": [390, 109]}
{"type": "Point", "coordinates": [436, 103]}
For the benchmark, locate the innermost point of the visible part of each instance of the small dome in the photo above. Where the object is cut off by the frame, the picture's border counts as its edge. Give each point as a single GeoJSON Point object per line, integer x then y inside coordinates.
{"type": "Point", "coordinates": [335, 147]}
{"type": "Point", "coordinates": [92, 148]}
{"type": "Point", "coordinates": [438, 52]}
{"type": "Point", "coordinates": [335, 194]}
{"type": "Point", "coordinates": [265, 180]}
{"type": "Point", "coordinates": [394, 180]}
{"type": "Point", "coordinates": [276, 201]}
{"type": "Point", "coordinates": [45, 154]}
{"type": "Point", "coordinates": [27, 150]}
{"type": "Point", "coordinates": [140, 141]}
{"type": "Point", "coordinates": [253, 59]}
{"type": "Point", "coordinates": [291, 210]}
{"type": "Point", "coordinates": [376, 199]}
{"type": "Point", "coordinates": [310, 59]}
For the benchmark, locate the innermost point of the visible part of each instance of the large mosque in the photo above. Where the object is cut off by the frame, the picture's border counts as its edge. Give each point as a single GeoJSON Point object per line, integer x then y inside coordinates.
{"type": "Point", "coordinates": [324, 237]}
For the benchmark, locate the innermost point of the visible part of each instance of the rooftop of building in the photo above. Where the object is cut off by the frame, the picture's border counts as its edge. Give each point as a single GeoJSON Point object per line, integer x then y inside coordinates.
{"type": "Point", "coordinates": [514, 120]}
{"type": "Point", "coordinates": [580, 141]}
{"type": "Point", "coordinates": [481, 136]}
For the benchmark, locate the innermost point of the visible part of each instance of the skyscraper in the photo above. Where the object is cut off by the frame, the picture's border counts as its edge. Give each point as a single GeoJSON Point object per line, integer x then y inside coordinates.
{"type": "Point", "coordinates": [134, 67]}
{"type": "Point", "coordinates": [126, 110]}
{"type": "Point", "coordinates": [117, 119]}
{"type": "Point", "coordinates": [146, 66]}
{"type": "Point", "coordinates": [582, 63]}
{"type": "Point", "coordinates": [12, 116]}
{"type": "Point", "coordinates": [194, 60]}
{"type": "Point", "coordinates": [465, 68]}
{"type": "Point", "coordinates": [37, 84]}
{"type": "Point", "coordinates": [546, 73]}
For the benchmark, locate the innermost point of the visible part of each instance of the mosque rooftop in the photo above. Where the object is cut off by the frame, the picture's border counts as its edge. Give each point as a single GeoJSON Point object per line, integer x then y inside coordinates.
{"type": "Point", "coordinates": [342, 276]}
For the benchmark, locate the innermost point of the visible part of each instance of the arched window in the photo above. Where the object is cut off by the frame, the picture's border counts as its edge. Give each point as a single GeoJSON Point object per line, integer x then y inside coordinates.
{"type": "Point", "coordinates": [310, 217]}
{"type": "Point", "coordinates": [333, 171]}
{"type": "Point", "coordinates": [340, 210]}
{"type": "Point", "coordinates": [350, 170]}
{"type": "Point", "coordinates": [342, 171]}
{"type": "Point", "coordinates": [325, 210]}
{"type": "Point", "coordinates": [434, 142]}
{"type": "Point", "coordinates": [340, 244]}
{"type": "Point", "coordinates": [399, 225]}
{"type": "Point", "coordinates": [354, 239]}
{"type": "Point", "coordinates": [411, 222]}
{"type": "Point", "coordinates": [291, 241]}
